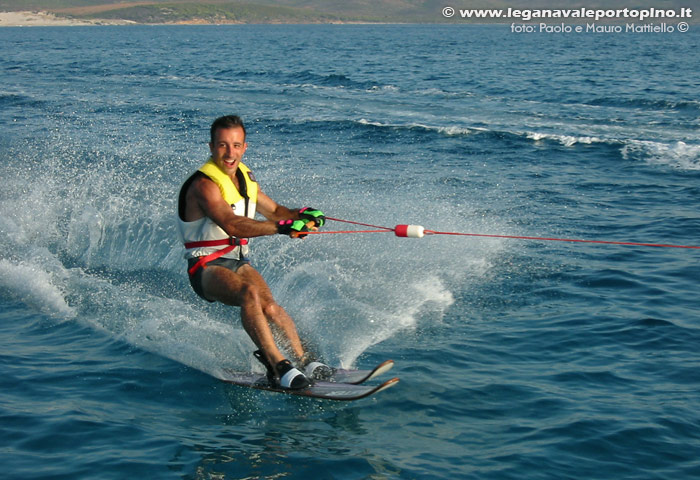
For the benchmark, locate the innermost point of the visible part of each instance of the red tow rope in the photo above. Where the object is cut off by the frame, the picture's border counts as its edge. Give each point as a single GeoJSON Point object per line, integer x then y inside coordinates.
{"type": "Point", "coordinates": [417, 231]}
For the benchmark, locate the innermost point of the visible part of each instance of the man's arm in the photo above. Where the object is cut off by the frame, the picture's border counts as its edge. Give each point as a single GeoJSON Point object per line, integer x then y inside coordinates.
{"type": "Point", "coordinates": [274, 211]}
{"type": "Point", "coordinates": [207, 197]}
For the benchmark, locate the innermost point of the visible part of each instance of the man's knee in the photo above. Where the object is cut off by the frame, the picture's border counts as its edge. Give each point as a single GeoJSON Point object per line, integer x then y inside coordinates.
{"type": "Point", "coordinates": [250, 293]}
{"type": "Point", "coordinates": [271, 310]}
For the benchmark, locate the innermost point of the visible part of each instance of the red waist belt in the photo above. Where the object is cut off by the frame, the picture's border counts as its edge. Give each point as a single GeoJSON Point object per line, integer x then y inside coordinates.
{"type": "Point", "coordinates": [230, 243]}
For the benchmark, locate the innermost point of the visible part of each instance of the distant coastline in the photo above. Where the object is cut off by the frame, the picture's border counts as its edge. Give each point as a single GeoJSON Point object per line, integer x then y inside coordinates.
{"type": "Point", "coordinates": [47, 19]}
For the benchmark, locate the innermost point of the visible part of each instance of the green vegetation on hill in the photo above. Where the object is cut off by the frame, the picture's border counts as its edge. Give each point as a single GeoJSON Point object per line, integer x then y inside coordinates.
{"type": "Point", "coordinates": [244, 11]}
{"type": "Point", "coordinates": [211, 13]}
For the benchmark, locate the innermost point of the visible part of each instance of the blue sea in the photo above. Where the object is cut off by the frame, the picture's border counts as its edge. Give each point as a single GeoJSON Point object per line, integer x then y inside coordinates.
{"type": "Point", "coordinates": [518, 359]}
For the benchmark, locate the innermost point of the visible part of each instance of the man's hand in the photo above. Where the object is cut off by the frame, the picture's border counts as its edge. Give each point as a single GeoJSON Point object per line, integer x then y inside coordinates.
{"type": "Point", "coordinates": [309, 214]}
{"type": "Point", "coordinates": [293, 228]}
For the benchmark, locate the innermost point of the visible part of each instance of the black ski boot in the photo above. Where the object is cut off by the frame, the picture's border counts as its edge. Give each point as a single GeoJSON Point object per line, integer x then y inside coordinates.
{"type": "Point", "coordinates": [315, 369]}
{"type": "Point", "coordinates": [270, 372]}
{"type": "Point", "coordinates": [290, 377]}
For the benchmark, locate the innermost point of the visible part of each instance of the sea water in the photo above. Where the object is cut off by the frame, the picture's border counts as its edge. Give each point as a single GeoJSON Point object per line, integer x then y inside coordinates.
{"type": "Point", "coordinates": [518, 359]}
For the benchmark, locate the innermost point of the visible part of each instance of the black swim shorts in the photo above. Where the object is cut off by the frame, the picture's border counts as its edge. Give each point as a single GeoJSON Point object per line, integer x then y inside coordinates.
{"type": "Point", "coordinates": [196, 279]}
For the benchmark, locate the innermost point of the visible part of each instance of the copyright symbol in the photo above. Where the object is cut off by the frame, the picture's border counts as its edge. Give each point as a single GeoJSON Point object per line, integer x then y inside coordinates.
{"type": "Point", "coordinates": [683, 27]}
{"type": "Point", "coordinates": [449, 12]}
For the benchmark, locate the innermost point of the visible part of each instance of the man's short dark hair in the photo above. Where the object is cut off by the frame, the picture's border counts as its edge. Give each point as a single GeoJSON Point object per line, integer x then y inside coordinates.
{"type": "Point", "coordinates": [227, 121]}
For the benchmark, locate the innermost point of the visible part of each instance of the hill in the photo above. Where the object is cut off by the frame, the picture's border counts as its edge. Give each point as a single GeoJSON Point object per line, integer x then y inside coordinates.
{"type": "Point", "coordinates": [293, 11]}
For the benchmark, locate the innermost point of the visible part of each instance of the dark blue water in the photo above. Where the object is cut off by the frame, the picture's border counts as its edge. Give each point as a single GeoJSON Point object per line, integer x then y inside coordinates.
{"type": "Point", "coordinates": [518, 359]}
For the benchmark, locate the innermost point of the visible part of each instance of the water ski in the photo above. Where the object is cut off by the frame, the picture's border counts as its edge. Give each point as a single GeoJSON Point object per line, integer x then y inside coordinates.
{"type": "Point", "coordinates": [344, 385]}
{"type": "Point", "coordinates": [357, 377]}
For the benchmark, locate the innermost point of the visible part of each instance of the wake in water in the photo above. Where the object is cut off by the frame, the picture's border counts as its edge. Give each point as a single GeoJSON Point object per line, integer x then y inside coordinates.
{"type": "Point", "coordinates": [102, 250]}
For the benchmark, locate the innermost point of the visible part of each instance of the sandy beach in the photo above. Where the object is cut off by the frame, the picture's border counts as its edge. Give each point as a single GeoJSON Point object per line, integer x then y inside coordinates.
{"type": "Point", "coordinates": [45, 19]}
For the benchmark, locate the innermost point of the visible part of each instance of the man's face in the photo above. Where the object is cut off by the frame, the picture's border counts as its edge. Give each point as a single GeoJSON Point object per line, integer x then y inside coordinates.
{"type": "Point", "coordinates": [228, 148]}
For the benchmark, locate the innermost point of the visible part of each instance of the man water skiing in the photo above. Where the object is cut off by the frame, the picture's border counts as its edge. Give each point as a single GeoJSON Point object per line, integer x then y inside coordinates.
{"type": "Point", "coordinates": [216, 211]}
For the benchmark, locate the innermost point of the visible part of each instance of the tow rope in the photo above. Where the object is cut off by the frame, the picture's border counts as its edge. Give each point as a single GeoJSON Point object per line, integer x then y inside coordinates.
{"type": "Point", "coordinates": [418, 231]}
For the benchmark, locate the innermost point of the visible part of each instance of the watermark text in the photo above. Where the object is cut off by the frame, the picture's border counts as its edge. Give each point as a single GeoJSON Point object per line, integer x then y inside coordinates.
{"type": "Point", "coordinates": [579, 14]}
{"type": "Point", "coordinates": [598, 28]}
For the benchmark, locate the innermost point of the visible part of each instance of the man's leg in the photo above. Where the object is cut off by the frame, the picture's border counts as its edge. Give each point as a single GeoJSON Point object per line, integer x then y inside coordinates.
{"type": "Point", "coordinates": [283, 322]}
{"type": "Point", "coordinates": [247, 289]}
{"type": "Point", "coordinates": [274, 313]}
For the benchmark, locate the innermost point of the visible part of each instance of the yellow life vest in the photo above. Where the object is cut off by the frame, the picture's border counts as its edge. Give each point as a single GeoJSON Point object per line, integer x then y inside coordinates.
{"type": "Point", "coordinates": [241, 205]}
{"type": "Point", "coordinates": [203, 238]}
